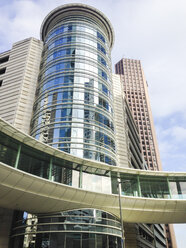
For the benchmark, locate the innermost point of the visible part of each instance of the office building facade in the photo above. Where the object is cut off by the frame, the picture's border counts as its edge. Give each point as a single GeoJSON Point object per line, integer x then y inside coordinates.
{"type": "Point", "coordinates": [19, 68]}
{"type": "Point", "coordinates": [136, 90]}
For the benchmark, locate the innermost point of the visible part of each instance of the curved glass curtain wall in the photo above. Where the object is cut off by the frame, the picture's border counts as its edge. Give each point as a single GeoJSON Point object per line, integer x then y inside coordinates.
{"type": "Point", "coordinates": [85, 228]}
{"type": "Point", "coordinates": [73, 109]}
{"type": "Point", "coordinates": [39, 163]}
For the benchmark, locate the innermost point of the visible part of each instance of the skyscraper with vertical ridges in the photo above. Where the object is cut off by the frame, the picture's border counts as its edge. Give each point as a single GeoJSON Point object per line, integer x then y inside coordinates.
{"type": "Point", "coordinates": [135, 88]}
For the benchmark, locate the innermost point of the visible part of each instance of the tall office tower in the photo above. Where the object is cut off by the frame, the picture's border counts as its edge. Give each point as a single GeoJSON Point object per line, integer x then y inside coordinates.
{"type": "Point", "coordinates": [129, 155]}
{"type": "Point", "coordinates": [135, 88]}
{"type": "Point", "coordinates": [73, 110]}
{"type": "Point", "coordinates": [136, 91]}
{"type": "Point", "coordinates": [19, 68]}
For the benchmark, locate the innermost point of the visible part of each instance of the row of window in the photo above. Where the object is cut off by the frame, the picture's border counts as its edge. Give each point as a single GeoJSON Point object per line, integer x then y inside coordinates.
{"type": "Point", "coordinates": [67, 95]}
{"type": "Point", "coordinates": [89, 153]}
{"type": "Point", "coordinates": [98, 156]}
{"type": "Point", "coordinates": [71, 80]}
{"type": "Point", "coordinates": [83, 215]}
{"type": "Point", "coordinates": [87, 116]}
{"type": "Point", "coordinates": [72, 221]}
{"type": "Point", "coordinates": [76, 39]}
{"type": "Point", "coordinates": [73, 28]}
{"type": "Point", "coordinates": [89, 136]}
{"type": "Point", "coordinates": [78, 227]}
{"type": "Point", "coordinates": [83, 143]}
{"type": "Point", "coordinates": [55, 136]}
{"type": "Point", "coordinates": [71, 240]}
{"type": "Point", "coordinates": [72, 52]}
{"type": "Point", "coordinates": [72, 65]}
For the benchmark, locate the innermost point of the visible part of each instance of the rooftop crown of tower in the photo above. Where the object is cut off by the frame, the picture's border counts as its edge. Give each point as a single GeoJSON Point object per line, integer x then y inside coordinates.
{"type": "Point", "coordinates": [81, 9]}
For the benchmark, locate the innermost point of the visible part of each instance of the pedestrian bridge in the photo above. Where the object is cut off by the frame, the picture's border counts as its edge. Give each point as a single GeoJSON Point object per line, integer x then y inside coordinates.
{"type": "Point", "coordinates": [38, 178]}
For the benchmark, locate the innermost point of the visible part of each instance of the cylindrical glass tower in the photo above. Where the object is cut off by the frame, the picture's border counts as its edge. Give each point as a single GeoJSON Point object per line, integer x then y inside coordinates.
{"type": "Point", "coordinates": [73, 109]}
{"type": "Point", "coordinates": [85, 228]}
{"type": "Point", "coordinates": [73, 112]}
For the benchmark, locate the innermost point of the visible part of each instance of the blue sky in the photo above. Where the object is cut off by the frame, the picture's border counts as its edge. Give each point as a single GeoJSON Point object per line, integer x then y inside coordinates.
{"type": "Point", "coordinates": [153, 31]}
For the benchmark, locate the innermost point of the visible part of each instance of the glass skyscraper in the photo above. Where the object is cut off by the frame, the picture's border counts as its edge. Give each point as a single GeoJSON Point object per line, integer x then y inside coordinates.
{"type": "Point", "coordinates": [73, 110]}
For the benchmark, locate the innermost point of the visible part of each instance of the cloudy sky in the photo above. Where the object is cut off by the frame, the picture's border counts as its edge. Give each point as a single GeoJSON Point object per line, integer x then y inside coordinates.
{"type": "Point", "coordinates": [153, 31]}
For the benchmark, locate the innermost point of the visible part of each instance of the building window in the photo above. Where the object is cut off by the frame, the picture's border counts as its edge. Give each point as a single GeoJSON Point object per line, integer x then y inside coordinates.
{"type": "Point", "coordinates": [1, 82]}
{"type": "Point", "coordinates": [2, 71]}
{"type": "Point", "coordinates": [4, 59]}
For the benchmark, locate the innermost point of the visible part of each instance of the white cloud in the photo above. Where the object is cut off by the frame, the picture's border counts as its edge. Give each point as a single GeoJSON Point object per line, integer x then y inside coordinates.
{"type": "Point", "coordinates": [179, 133]}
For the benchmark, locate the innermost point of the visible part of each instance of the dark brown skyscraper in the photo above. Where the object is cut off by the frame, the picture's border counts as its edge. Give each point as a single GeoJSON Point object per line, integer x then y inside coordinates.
{"type": "Point", "coordinates": [136, 91]}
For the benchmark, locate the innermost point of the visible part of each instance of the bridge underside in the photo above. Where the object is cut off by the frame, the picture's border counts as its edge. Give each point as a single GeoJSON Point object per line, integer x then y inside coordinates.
{"type": "Point", "coordinates": [23, 191]}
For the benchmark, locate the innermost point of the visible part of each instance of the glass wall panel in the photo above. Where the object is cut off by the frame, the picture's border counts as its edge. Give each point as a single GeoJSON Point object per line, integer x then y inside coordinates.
{"type": "Point", "coordinates": [92, 240]}
{"type": "Point", "coordinates": [62, 171]}
{"type": "Point", "coordinates": [73, 240]}
{"type": "Point", "coordinates": [8, 150]}
{"type": "Point", "coordinates": [96, 183]}
{"type": "Point", "coordinates": [183, 188]}
{"type": "Point", "coordinates": [129, 185]}
{"type": "Point", "coordinates": [57, 240]}
{"type": "Point", "coordinates": [42, 240]}
{"type": "Point", "coordinates": [174, 189]}
{"type": "Point", "coordinates": [17, 242]}
{"type": "Point", "coordinates": [119, 242]}
{"type": "Point", "coordinates": [34, 162]}
{"type": "Point", "coordinates": [99, 241]}
{"type": "Point", "coordinates": [177, 187]}
{"type": "Point", "coordinates": [154, 187]}
{"type": "Point", "coordinates": [113, 242]}
{"type": "Point", "coordinates": [85, 240]}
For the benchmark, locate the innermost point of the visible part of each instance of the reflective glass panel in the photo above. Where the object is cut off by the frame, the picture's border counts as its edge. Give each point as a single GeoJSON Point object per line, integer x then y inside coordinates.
{"type": "Point", "coordinates": [34, 162]}
{"type": "Point", "coordinates": [155, 187]}
{"type": "Point", "coordinates": [8, 150]}
{"type": "Point", "coordinates": [129, 185]}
